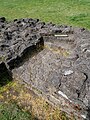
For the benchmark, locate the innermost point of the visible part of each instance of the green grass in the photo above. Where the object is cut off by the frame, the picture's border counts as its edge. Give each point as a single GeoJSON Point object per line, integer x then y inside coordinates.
{"type": "Point", "coordinates": [19, 103]}
{"type": "Point", "coordinates": [11, 111]}
{"type": "Point", "coordinates": [69, 12]}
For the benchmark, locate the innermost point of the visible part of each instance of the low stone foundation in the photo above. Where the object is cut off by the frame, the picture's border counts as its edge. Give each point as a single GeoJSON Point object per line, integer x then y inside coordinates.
{"type": "Point", "coordinates": [59, 69]}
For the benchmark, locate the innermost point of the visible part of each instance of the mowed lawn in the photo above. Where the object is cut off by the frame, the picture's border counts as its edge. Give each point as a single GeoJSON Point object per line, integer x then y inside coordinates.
{"type": "Point", "coordinates": [69, 12]}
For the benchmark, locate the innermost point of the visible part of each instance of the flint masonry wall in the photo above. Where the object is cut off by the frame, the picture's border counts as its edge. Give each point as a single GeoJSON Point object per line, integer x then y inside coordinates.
{"type": "Point", "coordinates": [60, 69]}
{"type": "Point", "coordinates": [18, 40]}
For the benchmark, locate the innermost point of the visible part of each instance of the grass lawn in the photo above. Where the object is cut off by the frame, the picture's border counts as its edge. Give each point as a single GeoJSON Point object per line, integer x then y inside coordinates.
{"type": "Point", "coordinates": [69, 12]}
{"type": "Point", "coordinates": [19, 103]}
{"type": "Point", "coordinates": [12, 111]}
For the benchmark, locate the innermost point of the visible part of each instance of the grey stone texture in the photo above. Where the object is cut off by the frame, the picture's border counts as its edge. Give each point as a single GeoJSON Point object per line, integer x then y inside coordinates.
{"type": "Point", "coordinates": [60, 71]}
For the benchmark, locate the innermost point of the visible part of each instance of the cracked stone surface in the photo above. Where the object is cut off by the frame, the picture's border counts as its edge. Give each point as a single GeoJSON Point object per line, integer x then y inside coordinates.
{"type": "Point", "coordinates": [61, 71]}
{"type": "Point", "coordinates": [18, 40]}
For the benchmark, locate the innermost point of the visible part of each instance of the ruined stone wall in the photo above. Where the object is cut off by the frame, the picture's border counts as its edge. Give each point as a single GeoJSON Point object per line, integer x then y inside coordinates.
{"type": "Point", "coordinates": [53, 59]}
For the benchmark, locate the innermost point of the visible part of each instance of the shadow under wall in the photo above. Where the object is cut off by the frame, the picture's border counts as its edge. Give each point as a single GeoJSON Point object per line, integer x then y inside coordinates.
{"type": "Point", "coordinates": [5, 74]}
{"type": "Point", "coordinates": [26, 54]}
